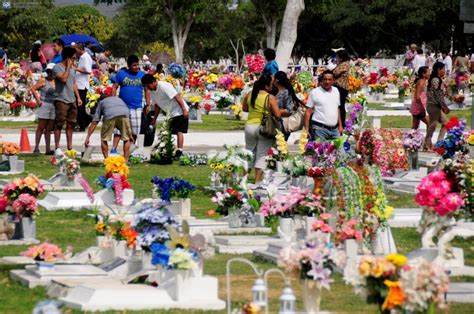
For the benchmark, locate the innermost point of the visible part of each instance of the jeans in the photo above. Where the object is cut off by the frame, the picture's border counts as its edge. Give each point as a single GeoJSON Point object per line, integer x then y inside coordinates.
{"type": "Point", "coordinates": [323, 134]}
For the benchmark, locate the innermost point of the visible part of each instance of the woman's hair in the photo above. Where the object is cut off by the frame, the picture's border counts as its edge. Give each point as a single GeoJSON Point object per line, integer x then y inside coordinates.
{"type": "Point", "coordinates": [343, 55]}
{"type": "Point", "coordinates": [421, 71]}
{"type": "Point", "coordinates": [434, 72]}
{"type": "Point", "coordinates": [263, 81]}
{"type": "Point", "coordinates": [283, 80]}
{"type": "Point", "coordinates": [35, 49]}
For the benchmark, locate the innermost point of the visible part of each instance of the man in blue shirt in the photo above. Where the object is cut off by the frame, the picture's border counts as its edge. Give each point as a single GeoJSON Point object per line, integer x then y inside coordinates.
{"type": "Point", "coordinates": [131, 92]}
{"type": "Point", "coordinates": [58, 48]}
{"type": "Point", "coordinates": [272, 66]}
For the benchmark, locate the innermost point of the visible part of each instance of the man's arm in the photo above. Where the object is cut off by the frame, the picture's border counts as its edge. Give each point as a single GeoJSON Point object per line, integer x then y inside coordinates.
{"type": "Point", "coordinates": [157, 113]}
{"type": "Point", "coordinates": [114, 89]}
{"type": "Point", "coordinates": [307, 117]}
{"type": "Point", "coordinates": [78, 97]}
{"type": "Point", "coordinates": [339, 121]}
{"type": "Point", "coordinates": [181, 103]}
{"type": "Point", "coordinates": [147, 100]}
{"type": "Point", "coordinates": [65, 75]}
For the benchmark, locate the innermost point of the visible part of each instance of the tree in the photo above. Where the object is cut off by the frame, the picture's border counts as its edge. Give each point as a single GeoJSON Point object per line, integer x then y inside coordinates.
{"type": "Point", "coordinates": [288, 33]}
{"type": "Point", "coordinates": [181, 15]}
{"type": "Point", "coordinates": [270, 11]}
{"type": "Point", "coordinates": [84, 19]}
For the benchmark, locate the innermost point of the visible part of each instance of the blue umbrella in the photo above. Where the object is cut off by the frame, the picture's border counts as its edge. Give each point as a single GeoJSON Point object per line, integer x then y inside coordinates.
{"type": "Point", "coordinates": [81, 38]}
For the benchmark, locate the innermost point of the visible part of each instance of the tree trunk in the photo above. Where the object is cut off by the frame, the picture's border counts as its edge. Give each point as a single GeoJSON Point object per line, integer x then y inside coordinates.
{"type": "Point", "coordinates": [179, 33]}
{"type": "Point", "coordinates": [289, 28]}
{"type": "Point", "coordinates": [270, 30]}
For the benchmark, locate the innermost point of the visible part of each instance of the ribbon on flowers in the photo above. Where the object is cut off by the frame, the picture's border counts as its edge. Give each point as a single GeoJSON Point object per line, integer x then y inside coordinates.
{"type": "Point", "coordinates": [118, 188]}
{"type": "Point", "coordinates": [87, 188]}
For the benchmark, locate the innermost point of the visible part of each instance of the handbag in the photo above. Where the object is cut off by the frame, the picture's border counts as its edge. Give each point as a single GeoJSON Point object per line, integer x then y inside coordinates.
{"type": "Point", "coordinates": [270, 124]}
{"type": "Point", "coordinates": [295, 121]}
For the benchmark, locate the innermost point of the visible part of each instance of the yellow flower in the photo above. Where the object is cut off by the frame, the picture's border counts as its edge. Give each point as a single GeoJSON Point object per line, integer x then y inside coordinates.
{"type": "Point", "coordinates": [364, 268]}
{"type": "Point", "coordinates": [377, 269]}
{"type": "Point", "coordinates": [396, 259]}
{"type": "Point", "coordinates": [71, 153]}
{"type": "Point", "coordinates": [282, 146]}
{"type": "Point", "coordinates": [32, 182]}
{"type": "Point", "coordinates": [395, 296]}
{"type": "Point", "coordinates": [100, 226]}
{"type": "Point", "coordinates": [303, 141]}
{"type": "Point", "coordinates": [116, 164]}
{"type": "Point", "coordinates": [470, 139]}
{"type": "Point", "coordinates": [388, 211]}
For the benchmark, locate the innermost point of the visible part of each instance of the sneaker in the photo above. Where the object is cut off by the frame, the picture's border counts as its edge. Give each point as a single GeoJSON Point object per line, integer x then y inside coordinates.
{"type": "Point", "coordinates": [113, 150]}
{"type": "Point", "coordinates": [178, 154]}
{"type": "Point", "coordinates": [36, 152]}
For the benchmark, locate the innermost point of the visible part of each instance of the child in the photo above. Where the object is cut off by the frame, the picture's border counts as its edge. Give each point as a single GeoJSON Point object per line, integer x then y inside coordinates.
{"type": "Point", "coordinates": [272, 66]}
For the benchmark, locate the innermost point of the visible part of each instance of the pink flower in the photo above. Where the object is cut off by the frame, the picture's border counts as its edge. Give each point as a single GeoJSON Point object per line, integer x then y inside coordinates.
{"type": "Point", "coordinates": [327, 228]}
{"type": "Point", "coordinates": [325, 216]}
{"type": "Point", "coordinates": [437, 175]}
{"type": "Point", "coordinates": [25, 205]}
{"type": "Point", "coordinates": [351, 223]}
{"type": "Point", "coordinates": [449, 203]}
{"type": "Point", "coordinates": [317, 224]}
{"type": "Point", "coordinates": [3, 204]}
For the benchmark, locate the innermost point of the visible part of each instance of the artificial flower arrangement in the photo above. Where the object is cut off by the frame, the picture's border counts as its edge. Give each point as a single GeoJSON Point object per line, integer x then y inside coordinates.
{"type": "Point", "coordinates": [313, 261]}
{"type": "Point", "coordinates": [359, 195]}
{"type": "Point", "coordinates": [297, 165]}
{"type": "Point", "coordinates": [236, 86]}
{"type": "Point", "coordinates": [454, 140]}
{"type": "Point", "coordinates": [280, 153]}
{"type": "Point", "coordinates": [193, 160]}
{"type": "Point", "coordinates": [228, 163]}
{"type": "Point", "coordinates": [255, 63]}
{"type": "Point", "coordinates": [20, 197]}
{"type": "Point", "coordinates": [10, 149]}
{"type": "Point", "coordinates": [163, 151]}
{"type": "Point", "coordinates": [346, 231]}
{"type": "Point", "coordinates": [383, 148]}
{"type": "Point", "coordinates": [167, 188]}
{"type": "Point", "coordinates": [114, 226]}
{"type": "Point", "coordinates": [181, 252]}
{"type": "Point", "coordinates": [67, 162]}
{"type": "Point", "coordinates": [195, 102]}
{"type": "Point", "coordinates": [392, 283]}
{"type": "Point", "coordinates": [45, 251]}
{"type": "Point", "coordinates": [356, 120]}
{"type": "Point", "coordinates": [137, 158]}
{"type": "Point", "coordinates": [223, 100]}
{"type": "Point", "coordinates": [237, 200]}
{"type": "Point", "coordinates": [323, 157]}
{"type": "Point", "coordinates": [355, 84]}
{"type": "Point", "coordinates": [116, 172]}
{"type": "Point", "coordinates": [207, 108]}
{"type": "Point", "coordinates": [237, 110]}
{"type": "Point", "coordinates": [413, 140]}
{"type": "Point", "coordinates": [304, 79]}
{"type": "Point", "coordinates": [298, 201]}
{"type": "Point", "coordinates": [150, 222]}
{"type": "Point", "coordinates": [377, 88]}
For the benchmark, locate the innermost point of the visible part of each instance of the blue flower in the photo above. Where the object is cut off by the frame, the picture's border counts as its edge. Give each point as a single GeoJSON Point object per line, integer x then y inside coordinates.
{"type": "Point", "coordinates": [160, 253]}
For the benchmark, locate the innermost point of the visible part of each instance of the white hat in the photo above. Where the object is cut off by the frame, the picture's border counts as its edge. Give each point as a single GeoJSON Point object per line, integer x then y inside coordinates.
{"type": "Point", "coordinates": [73, 43]}
{"type": "Point", "coordinates": [50, 66]}
{"type": "Point", "coordinates": [38, 42]}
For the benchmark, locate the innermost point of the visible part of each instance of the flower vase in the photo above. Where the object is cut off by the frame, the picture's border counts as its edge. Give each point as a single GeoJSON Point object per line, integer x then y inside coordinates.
{"type": "Point", "coordinates": [401, 95]}
{"type": "Point", "coordinates": [233, 218]}
{"type": "Point", "coordinates": [352, 247]}
{"type": "Point", "coordinates": [286, 229]}
{"type": "Point", "coordinates": [309, 220]}
{"type": "Point", "coordinates": [180, 288]}
{"type": "Point", "coordinates": [318, 186]}
{"type": "Point", "coordinates": [13, 160]}
{"type": "Point", "coordinates": [192, 114]}
{"type": "Point", "coordinates": [302, 182]}
{"type": "Point", "coordinates": [413, 160]}
{"type": "Point", "coordinates": [181, 207]}
{"type": "Point", "coordinates": [311, 292]}
{"type": "Point", "coordinates": [120, 248]}
{"type": "Point", "coordinates": [279, 167]}
{"type": "Point", "coordinates": [25, 228]}
{"type": "Point", "coordinates": [44, 267]}
{"type": "Point", "coordinates": [294, 181]}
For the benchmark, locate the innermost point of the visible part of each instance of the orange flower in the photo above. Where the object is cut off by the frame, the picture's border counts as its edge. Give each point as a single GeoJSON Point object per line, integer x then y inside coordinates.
{"type": "Point", "coordinates": [395, 296]}
{"type": "Point", "coordinates": [130, 235]}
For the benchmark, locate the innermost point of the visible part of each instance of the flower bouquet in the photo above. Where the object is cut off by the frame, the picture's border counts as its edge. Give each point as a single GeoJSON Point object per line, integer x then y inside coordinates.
{"type": "Point", "coordinates": [297, 165]}
{"type": "Point", "coordinates": [412, 142]}
{"type": "Point", "coordinates": [163, 151]}
{"type": "Point", "coordinates": [454, 140]}
{"type": "Point", "coordinates": [45, 251]}
{"type": "Point", "coordinates": [67, 163]}
{"type": "Point", "coordinates": [172, 187]}
{"type": "Point", "coordinates": [314, 263]}
{"type": "Point", "coordinates": [223, 100]}
{"type": "Point", "coordinates": [392, 283]}
{"type": "Point", "coordinates": [207, 108]}
{"type": "Point", "coordinates": [10, 149]}
{"type": "Point", "coordinates": [20, 197]}
{"type": "Point", "coordinates": [278, 154]}
{"type": "Point", "coordinates": [323, 158]}
{"type": "Point", "coordinates": [193, 160]}
{"type": "Point", "coordinates": [115, 179]}
{"type": "Point", "coordinates": [150, 222]}
{"type": "Point", "coordinates": [255, 63]}
{"type": "Point", "coordinates": [227, 164]}
{"type": "Point", "coordinates": [228, 201]}
{"type": "Point", "coordinates": [236, 86]}
{"type": "Point", "coordinates": [137, 158]}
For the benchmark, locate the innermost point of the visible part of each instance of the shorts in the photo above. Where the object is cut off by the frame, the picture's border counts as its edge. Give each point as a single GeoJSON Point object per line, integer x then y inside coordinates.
{"type": "Point", "coordinates": [65, 112]}
{"type": "Point", "coordinates": [47, 111]}
{"type": "Point", "coordinates": [135, 116]}
{"type": "Point", "coordinates": [179, 124]}
{"type": "Point", "coordinates": [258, 145]}
{"type": "Point", "coordinates": [122, 123]}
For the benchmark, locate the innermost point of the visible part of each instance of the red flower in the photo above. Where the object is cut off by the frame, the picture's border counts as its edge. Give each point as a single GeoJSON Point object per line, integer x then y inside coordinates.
{"type": "Point", "coordinates": [270, 152]}
{"type": "Point", "coordinates": [439, 150]}
{"type": "Point", "coordinates": [453, 122]}
{"type": "Point", "coordinates": [3, 204]}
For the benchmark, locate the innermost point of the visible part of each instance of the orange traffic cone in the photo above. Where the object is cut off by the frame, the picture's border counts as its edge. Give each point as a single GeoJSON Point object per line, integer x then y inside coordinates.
{"type": "Point", "coordinates": [24, 142]}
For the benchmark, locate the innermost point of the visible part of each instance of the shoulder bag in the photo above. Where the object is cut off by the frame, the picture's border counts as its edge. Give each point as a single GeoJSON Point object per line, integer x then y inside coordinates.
{"type": "Point", "coordinates": [270, 124]}
{"type": "Point", "coordinates": [295, 121]}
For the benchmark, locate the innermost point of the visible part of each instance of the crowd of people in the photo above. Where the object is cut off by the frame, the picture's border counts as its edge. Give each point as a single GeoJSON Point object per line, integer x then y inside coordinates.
{"type": "Point", "coordinates": [430, 93]}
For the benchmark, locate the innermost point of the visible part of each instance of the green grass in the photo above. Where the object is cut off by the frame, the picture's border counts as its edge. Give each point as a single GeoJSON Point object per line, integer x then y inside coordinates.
{"type": "Point", "coordinates": [76, 229]}
{"type": "Point", "coordinates": [217, 122]}
{"type": "Point", "coordinates": [405, 122]}
{"type": "Point", "coordinates": [17, 125]}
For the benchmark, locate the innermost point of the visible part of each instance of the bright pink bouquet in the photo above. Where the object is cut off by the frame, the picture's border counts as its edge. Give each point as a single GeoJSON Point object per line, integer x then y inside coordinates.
{"type": "Point", "coordinates": [298, 201]}
{"type": "Point", "coordinates": [436, 190]}
{"type": "Point", "coordinates": [44, 252]}
{"type": "Point", "coordinates": [24, 206]}
{"type": "Point", "coordinates": [322, 224]}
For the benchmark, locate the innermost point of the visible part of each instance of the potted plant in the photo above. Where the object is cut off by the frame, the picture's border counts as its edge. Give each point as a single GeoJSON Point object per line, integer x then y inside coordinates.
{"type": "Point", "coordinates": [162, 153]}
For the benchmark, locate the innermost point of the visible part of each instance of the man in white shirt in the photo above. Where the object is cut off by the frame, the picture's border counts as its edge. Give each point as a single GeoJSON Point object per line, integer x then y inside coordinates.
{"type": "Point", "coordinates": [165, 97]}
{"type": "Point", "coordinates": [448, 62]}
{"type": "Point", "coordinates": [322, 117]}
{"type": "Point", "coordinates": [419, 60]}
{"type": "Point", "coordinates": [83, 73]}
